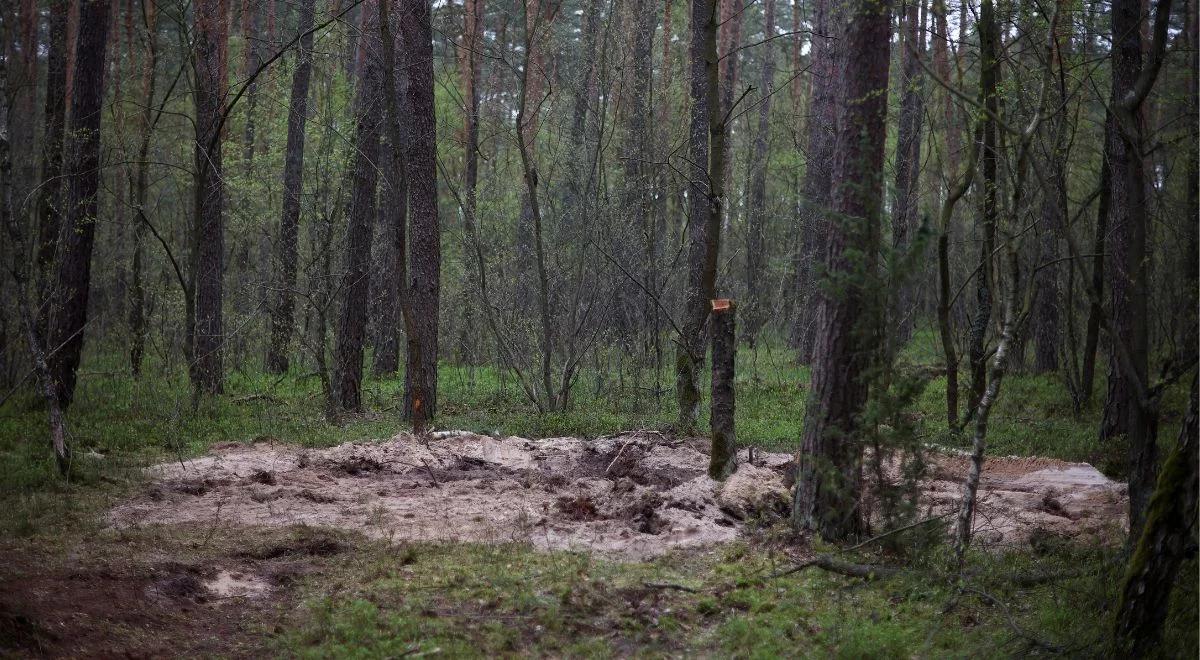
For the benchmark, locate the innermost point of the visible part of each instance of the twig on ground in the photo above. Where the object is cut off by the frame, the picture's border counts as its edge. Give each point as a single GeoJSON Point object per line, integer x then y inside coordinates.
{"type": "Point", "coordinates": [900, 529]}
{"type": "Point", "coordinates": [430, 470]}
{"type": "Point", "coordinates": [618, 456]}
{"type": "Point", "coordinates": [669, 586]}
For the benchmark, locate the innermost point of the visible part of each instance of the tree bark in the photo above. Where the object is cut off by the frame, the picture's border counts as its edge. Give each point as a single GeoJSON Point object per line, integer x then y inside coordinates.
{"type": "Point", "coordinates": [72, 282]}
{"type": "Point", "coordinates": [284, 310]}
{"type": "Point", "coordinates": [1150, 575]}
{"type": "Point", "coordinates": [352, 319]}
{"type": "Point", "coordinates": [469, 65]}
{"type": "Point", "coordinates": [826, 54]}
{"type": "Point", "coordinates": [1013, 318]}
{"type": "Point", "coordinates": [723, 456]}
{"type": "Point", "coordinates": [905, 220]}
{"type": "Point", "coordinates": [981, 321]}
{"type": "Point", "coordinates": [704, 224]}
{"type": "Point", "coordinates": [1125, 414]}
{"type": "Point", "coordinates": [638, 191]}
{"type": "Point", "coordinates": [137, 289]}
{"type": "Point", "coordinates": [1095, 311]}
{"type": "Point", "coordinates": [49, 209]}
{"type": "Point", "coordinates": [829, 483]}
{"type": "Point", "coordinates": [37, 348]}
{"type": "Point", "coordinates": [208, 247]}
{"type": "Point", "coordinates": [756, 220]}
{"type": "Point", "coordinates": [941, 65]}
{"type": "Point", "coordinates": [424, 231]}
{"type": "Point", "coordinates": [251, 59]}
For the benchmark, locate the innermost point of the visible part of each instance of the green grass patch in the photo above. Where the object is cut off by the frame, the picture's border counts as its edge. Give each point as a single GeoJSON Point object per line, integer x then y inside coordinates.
{"type": "Point", "coordinates": [477, 601]}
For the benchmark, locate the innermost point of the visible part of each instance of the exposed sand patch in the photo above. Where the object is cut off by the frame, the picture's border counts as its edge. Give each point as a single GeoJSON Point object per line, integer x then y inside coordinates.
{"type": "Point", "coordinates": [231, 584]}
{"type": "Point", "coordinates": [630, 496]}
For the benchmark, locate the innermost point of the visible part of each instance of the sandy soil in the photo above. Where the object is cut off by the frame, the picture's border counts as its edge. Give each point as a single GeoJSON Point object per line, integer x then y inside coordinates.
{"type": "Point", "coordinates": [629, 496]}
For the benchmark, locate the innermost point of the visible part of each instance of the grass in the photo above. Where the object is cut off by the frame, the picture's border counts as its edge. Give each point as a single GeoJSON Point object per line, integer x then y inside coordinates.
{"type": "Point", "coordinates": [508, 600]}
{"type": "Point", "coordinates": [387, 600]}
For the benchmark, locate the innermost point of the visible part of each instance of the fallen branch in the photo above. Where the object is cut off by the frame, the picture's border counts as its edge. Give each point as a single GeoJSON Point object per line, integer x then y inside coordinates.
{"type": "Point", "coordinates": [670, 586]}
{"type": "Point", "coordinates": [905, 528]}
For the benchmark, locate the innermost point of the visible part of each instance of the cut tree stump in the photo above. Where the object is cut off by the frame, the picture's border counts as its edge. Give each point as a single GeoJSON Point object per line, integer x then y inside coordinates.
{"type": "Point", "coordinates": [724, 353]}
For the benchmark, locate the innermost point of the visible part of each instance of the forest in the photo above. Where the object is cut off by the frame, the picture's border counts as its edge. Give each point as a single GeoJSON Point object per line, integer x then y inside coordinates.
{"type": "Point", "coordinates": [595, 328]}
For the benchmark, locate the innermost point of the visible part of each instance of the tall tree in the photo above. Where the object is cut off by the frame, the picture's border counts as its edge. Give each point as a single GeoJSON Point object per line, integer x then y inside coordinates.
{"type": "Point", "coordinates": [908, 159]}
{"type": "Point", "coordinates": [424, 230]}
{"type": "Point", "coordinates": [141, 184]}
{"type": "Point", "coordinates": [283, 312]}
{"type": "Point", "coordinates": [756, 215]}
{"type": "Point", "coordinates": [637, 186]}
{"type": "Point", "coordinates": [989, 37]}
{"type": "Point", "coordinates": [1128, 412]}
{"type": "Point", "coordinates": [208, 238]}
{"type": "Point", "coordinates": [72, 281]}
{"type": "Point", "coordinates": [706, 174]}
{"type": "Point", "coordinates": [54, 120]}
{"type": "Point", "coordinates": [816, 194]}
{"type": "Point", "coordinates": [829, 483]}
{"type": "Point", "coordinates": [470, 57]}
{"type": "Point", "coordinates": [251, 60]}
{"type": "Point", "coordinates": [352, 320]}
{"type": "Point", "coordinates": [941, 66]}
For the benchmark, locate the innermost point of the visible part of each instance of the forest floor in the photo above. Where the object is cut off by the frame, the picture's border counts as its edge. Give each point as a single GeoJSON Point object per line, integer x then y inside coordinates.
{"type": "Point", "coordinates": [251, 526]}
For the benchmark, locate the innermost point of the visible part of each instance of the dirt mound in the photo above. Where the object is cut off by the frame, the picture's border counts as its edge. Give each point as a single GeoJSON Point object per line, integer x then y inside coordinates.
{"type": "Point", "coordinates": [631, 496]}
{"type": "Point", "coordinates": [1024, 499]}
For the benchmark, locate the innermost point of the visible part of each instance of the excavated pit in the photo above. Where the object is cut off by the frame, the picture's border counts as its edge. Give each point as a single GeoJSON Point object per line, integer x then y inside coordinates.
{"type": "Point", "coordinates": [630, 496]}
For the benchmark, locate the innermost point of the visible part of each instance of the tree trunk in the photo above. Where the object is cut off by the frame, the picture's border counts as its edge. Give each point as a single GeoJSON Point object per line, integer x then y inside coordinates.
{"type": "Point", "coordinates": [730, 34]}
{"type": "Point", "coordinates": [981, 321]}
{"type": "Point", "coordinates": [1190, 255]}
{"type": "Point", "coordinates": [137, 289]}
{"type": "Point", "coordinates": [1095, 311]}
{"type": "Point", "coordinates": [49, 202]}
{"type": "Point", "coordinates": [941, 65]}
{"type": "Point", "coordinates": [704, 223]}
{"type": "Point", "coordinates": [1013, 318]}
{"type": "Point", "coordinates": [829, 483]}
{"type": "Point", "coordinates": [469, 65]}
{"type": "Point", "coordinates": [1125, 415]}
{"type": "Point", "coordinates": [905, 218]}
{"type": "Point", "coordinates": [756, 220]}
{"type": "Point", "coordinates": [823, 103]}
{"type": "Point", "coordinates": [284, 310]}
{"type": "Point", "coordinates": [391, 277]}
{"type": "Point", "coordinates": [252, 58]}
{"type": "Point", "coordinates": [21, 58]}
{"type": "Point", "coordinates": [723, 456]}
{"type": "Point", "coordinates": [69, 302]}
{"type": "Point", "coordinates": [1150, 575]}
{"type": "Point", "coordinates": [209, 237]}
{"type": "Point", "coordinates": [586, 95]}
{"type": "Point", "coordinates": [424, 232]}
{"type": "Point", "coordinates": [352, 320]}
{"type": "Point", "coordinates": [37, 348]}
{"type": "Point", "coordinates": [638, 191]}
{"type": "Point", "coordinates": [1046, 330]}
{"type": "Point", "coordinates": [1046, 335]}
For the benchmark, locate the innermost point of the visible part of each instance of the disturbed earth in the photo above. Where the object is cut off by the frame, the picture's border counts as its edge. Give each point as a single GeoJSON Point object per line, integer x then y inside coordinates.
{"type": "Point", "coordinates": [630, 496]}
